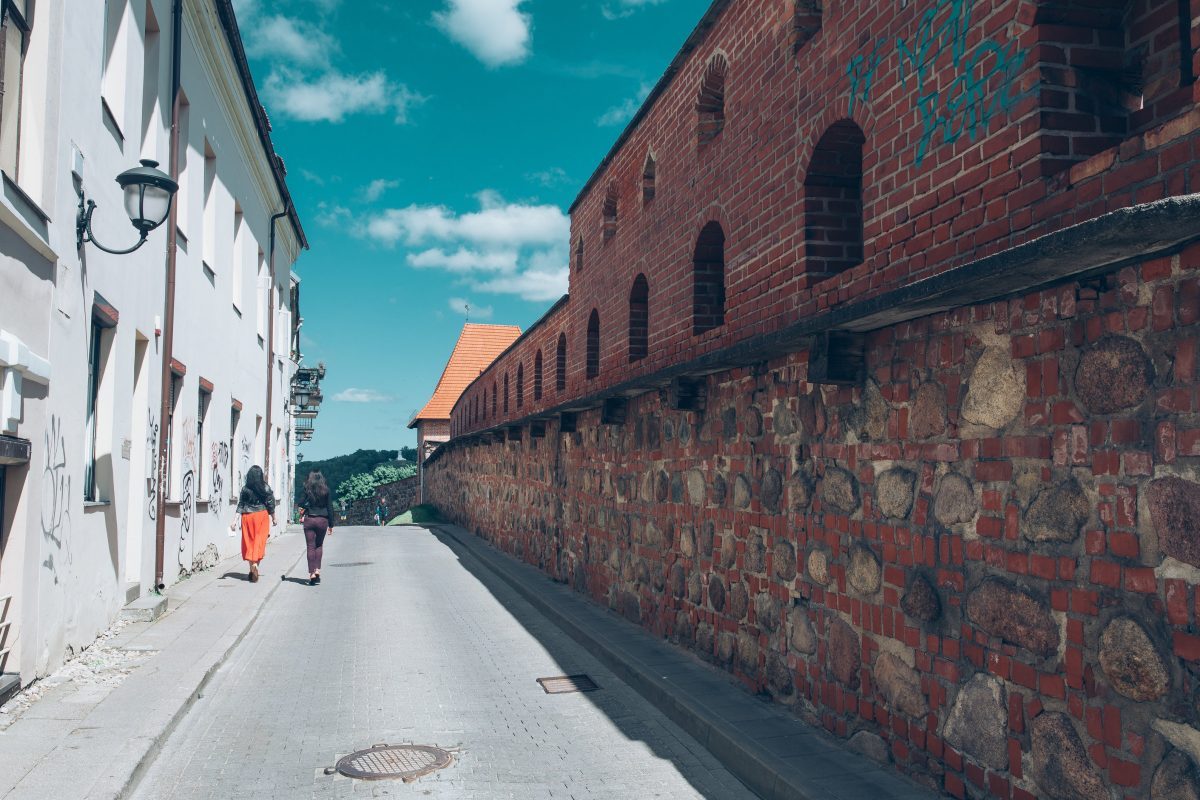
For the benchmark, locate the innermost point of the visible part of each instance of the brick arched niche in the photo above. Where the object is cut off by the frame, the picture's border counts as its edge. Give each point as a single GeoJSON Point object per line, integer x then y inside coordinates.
{"type": "Point", "coordinates": [506, 393]}
{"type": "Point", "coordinates": [520, 385]}
{"type": "Point", "coordinates": [710, 105]}
{"type": "Point", "coordinates": [649, 176]}
{"type": "Point", "coordinates": [579, 254]}
{"type": "Point", "coordinates": [537, 375]}
{"type": "Point", "coordinates": [610, 212]}
{"type": "Point", "coordinates": [493, 398]}
{"type": "Point", "coordinates": [708, 279]}
{"type": "Point", "coordinates": [806, 22]}
{"type": "Point", "coordinates": [560, 364]}
{"type": "Point", "coordinates": [833, 204]}
{"type": "Point", "coordinates": [639, 319]}
{"type": "Point", "coordinates": [593, 345]}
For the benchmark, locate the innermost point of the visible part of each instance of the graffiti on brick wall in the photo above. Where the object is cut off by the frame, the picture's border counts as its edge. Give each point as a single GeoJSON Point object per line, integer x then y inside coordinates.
{"type": "Point", "coordinates": [187, 496]}
{"type": "Point", "coordinates": [220, 468]}
{"type": "Point", "coordinates": [152, 466]}
{"type": "Point", "coordinates": [56, 498]}
{"type": "Point", "coordinates": [986, 86]}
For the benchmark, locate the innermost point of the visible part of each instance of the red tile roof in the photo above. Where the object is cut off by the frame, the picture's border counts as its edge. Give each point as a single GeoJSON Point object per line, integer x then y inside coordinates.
{"type": "Point", "coordinates": [477, 347]}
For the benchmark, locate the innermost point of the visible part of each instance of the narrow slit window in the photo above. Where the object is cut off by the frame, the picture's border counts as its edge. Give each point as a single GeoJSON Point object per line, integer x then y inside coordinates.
{"type": "Point", "coordinates": [639, 318]}
{"type": "Point", "coordinates": [610, 213]}
{"type": "Point", "coordinates": [520, 385]}
{"type": "Point", "coordinates": [708, 271]}
{"type": "Point", "coordinates": [710, 106]}
{"type": "Point", "coordinates": [560, 364]}
{"type": "Point", "coordinates": [593, 345]}
{"type": "Point", "coordinates": [537, 376]}
{"type": "Point", "coordinates": [649, 172]}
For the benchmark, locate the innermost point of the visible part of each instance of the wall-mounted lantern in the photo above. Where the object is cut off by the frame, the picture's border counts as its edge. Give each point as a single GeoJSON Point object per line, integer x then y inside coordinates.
{"type": "Point", "coordinates": [148, 194]}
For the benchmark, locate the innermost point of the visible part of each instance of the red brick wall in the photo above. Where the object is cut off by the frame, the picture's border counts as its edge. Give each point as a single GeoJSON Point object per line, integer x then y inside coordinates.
{"type": "Point", "coordinates": [986, 556]}
{"type": "Point", "coordinates": [969, 150]}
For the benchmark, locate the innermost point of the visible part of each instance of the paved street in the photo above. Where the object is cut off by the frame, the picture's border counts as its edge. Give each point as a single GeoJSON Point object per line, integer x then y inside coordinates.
{"type": "Point", "coordinates": [403, 644]}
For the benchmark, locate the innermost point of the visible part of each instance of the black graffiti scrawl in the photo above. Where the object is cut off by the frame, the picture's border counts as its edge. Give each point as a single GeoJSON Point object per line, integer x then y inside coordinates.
{"type": "Point", "coordinates": [152, 467]}
{"type": "Point", "coordinates": [220, 468]}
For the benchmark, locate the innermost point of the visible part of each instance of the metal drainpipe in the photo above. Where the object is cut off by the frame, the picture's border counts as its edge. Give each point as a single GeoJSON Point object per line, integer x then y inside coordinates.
{"type": "Point", "coordinates": [271, 341]}
{"type": "Point", "coordinates": [160, 528]}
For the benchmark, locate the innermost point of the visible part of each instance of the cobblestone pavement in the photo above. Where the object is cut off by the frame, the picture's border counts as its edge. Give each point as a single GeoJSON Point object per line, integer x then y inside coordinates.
{"type": "Point", "coordinates": [402, 644]}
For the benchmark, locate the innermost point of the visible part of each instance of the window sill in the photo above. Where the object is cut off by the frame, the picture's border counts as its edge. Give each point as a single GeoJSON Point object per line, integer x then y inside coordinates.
{"type": "Point", "coordinates": [110, 122]}
{"type": "Point", "coordinates": [90, 504]}
{"type": "Point", "coordinates": [27, 219]}
{"type": "Point", "coordinates": [237, 311]}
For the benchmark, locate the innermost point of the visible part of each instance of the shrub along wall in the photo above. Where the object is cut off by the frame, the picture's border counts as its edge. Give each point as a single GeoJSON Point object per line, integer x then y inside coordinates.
{"type": "Point", "coordinates": [400, 496]}
{"type": "Point", "coordinates": [980, 564]}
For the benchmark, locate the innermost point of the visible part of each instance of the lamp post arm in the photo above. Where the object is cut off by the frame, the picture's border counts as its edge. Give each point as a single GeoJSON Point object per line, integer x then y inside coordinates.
{"type": "Point", "coordinates": [83, 230]}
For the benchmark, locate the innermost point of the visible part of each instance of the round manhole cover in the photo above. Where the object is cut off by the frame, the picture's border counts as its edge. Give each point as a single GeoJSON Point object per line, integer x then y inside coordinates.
{"type": "Point", "coordinates": [404, 761]}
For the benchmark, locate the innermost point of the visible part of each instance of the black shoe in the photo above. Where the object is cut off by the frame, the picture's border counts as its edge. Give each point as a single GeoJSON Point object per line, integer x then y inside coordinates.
{"type": "Point", "coordinates": [316, 580]}
{"type": "Point", "coordinates": [312, 580]}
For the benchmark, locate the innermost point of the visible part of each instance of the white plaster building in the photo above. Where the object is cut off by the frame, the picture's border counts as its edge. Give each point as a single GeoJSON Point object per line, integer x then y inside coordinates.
{"type": "Point", "coordinates": [86, 342]}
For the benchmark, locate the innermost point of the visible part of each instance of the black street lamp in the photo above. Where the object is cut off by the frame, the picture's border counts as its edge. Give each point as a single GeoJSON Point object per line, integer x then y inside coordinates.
{"type": "Point", "coordinates": [148, 194]}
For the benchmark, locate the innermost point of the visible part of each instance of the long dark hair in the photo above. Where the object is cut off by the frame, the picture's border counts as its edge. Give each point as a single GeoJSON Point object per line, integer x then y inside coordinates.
{"type": "Point", "coordinates": [257, 484]}
{"type": "Point", "coordinates": [316, 489]}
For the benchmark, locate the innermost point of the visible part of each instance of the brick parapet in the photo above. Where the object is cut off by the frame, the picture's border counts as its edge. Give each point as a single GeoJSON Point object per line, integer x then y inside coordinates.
{"type": "Point", "coordinates": [930, 205]}
{"type": "Point", "coordinates": [1008, 502]}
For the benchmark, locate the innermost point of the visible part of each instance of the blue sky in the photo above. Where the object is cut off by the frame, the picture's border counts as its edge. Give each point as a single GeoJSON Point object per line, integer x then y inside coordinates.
{"type": "Point", "coordinates": [433, 147]}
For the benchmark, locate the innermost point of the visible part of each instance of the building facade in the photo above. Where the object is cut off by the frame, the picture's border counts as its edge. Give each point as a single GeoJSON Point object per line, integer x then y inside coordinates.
{"type": "Point", "coordinates": [138, 388]}
{"type": "Point", "coordinates": [876, 384]}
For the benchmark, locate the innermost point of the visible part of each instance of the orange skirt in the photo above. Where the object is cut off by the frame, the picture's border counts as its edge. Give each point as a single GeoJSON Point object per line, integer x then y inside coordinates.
{"type": "Point", "coordinates": [256, 529]}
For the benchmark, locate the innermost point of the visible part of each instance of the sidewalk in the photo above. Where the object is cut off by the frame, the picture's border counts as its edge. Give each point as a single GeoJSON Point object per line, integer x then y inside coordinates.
{"type": "Point", "coordinates": [91, 737]}
{"type": "Point", "coordinates": [770, 750]}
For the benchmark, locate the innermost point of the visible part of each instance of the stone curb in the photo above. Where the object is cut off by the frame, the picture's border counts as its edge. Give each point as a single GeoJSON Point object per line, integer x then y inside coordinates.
{"type": "Point", "coordinates": [799, 769]}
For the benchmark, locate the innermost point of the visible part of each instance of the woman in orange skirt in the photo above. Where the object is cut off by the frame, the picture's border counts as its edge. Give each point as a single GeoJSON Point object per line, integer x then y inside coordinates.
{"type": "Point", "coordinates": [256, 511]}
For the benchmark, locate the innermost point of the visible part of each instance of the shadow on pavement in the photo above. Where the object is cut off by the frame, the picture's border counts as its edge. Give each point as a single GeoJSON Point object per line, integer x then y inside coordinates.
{"type": "Point", "coordinates": [532, 620]}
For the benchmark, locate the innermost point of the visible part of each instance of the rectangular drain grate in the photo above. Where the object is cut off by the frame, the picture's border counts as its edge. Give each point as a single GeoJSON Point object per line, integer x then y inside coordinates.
{"type": "Point", "coordinates": [564, 684]}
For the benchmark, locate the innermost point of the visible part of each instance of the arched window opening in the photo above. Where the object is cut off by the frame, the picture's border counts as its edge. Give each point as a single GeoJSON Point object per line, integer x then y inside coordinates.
{"type": "Point", "coordinates": [648, 175]}
{"type": "Point", "coordinates": [610, 212]}
{"type": "Point", "coordinates": [579, 255]}
{"type": "Point", "coordinates": [506, 393]}
{"type": "Point", "coordinates": [710, 106]}
{"type": "Point", "coordinates": [537, 376]}
{"type": "Point", "coordinates": [560, 364]}
{"type": "Point", "coordinates": [708, 270]}
{"type": "Point", "coordinates": [833, 204]}
{"type": "Point", "coordinates": [483, 409]}
{"type": "Point", "coordinates": [807, 22]}
{"type": "Point", "coordinates": [593, 345]}
{"type": "Point", "coordinates": [493, 398]}
{"type": "Point", "coordinates": [520, 385]}
{"type": "Point", "coordinates": [639, 318]}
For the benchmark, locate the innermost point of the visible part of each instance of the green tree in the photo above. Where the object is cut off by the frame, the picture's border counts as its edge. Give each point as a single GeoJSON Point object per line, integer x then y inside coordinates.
{"type": "Point", "coordinates": [363, 484]}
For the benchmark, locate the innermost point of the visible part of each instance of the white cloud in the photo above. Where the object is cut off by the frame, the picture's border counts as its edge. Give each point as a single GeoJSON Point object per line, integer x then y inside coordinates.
{"type": "Point", "coordinates": [623, 8]}
{"type": "Point", "coordinates": [497, 224]}
{"type": "Point", "coordinates": [353, 395]}
{"type": "Point", "coordinates": [549, 178]}
{"type": "Point", "coordinates": [462, 306]}
{"type": "Point", "coordinates": [290, 41]}
{"type": "Point", "coordinates": [375, 189]}
{"type": "Point", "coordinates": [464, 260]}
{"type": "Point", "coordinates": [332, 96]}
{"type": "Point", "coordinates": [502, 248]}
{"type": "Point", "coordinates": [622, 113]}
{"type": "Point", "coordinates": [332, 215]}
{"type": "Point", "coordinates": [496, 32]}
{"type": "Point", "coordinates": [533, 285]}
{"type": "Point", "coordinates": [312, 177]}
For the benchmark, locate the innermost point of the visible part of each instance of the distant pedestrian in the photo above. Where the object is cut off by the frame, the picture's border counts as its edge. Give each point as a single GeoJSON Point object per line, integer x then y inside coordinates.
{"type": "Point", "coordinates": [256, 511]}
{"type": "Point", "coordinates": [318, 522]}
{"type": "Point", "coordinates": [383, 512]}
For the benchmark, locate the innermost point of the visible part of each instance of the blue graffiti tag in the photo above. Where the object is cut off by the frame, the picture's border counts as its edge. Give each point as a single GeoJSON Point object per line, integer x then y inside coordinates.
{"type": "Point", "coordinates": [986, 86]}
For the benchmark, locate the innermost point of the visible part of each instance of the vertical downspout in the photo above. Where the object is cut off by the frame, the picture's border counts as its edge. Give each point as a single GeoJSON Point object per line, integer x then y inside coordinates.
{"type": "Point", "coordinates": [271, 342]}
{"type": "Point", "coordinates": [160, 531]}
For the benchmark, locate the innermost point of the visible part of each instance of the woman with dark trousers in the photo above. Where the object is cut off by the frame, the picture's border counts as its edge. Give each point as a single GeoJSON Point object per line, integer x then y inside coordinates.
{"type": "Point", "coordinates": [318, 522]}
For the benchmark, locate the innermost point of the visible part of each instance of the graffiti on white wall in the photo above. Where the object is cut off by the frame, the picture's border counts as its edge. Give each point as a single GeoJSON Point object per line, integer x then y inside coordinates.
{"type": "Point", "coordinates": [220, 468]}
{"type": "Point", "coordinates": [152, 476]}
{"type": "Point", "coordinates": [245, 453]}
{"type": "Point", "coordinates": [56, 499]}
{"type": "Point", "coordinates": [187, 496]}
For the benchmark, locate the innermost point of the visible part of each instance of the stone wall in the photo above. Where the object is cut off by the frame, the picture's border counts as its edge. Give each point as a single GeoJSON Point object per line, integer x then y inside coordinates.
{"type": "Point", "coordinates": [400, 496]}
{"type": "Point", "coordinates": [980, 564]}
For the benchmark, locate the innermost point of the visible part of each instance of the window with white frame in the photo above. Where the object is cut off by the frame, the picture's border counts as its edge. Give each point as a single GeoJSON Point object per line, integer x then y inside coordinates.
{"type": "Point", "coordinates": [14, 40]}
{"type": "Point", "coordinates": [201, 444]}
